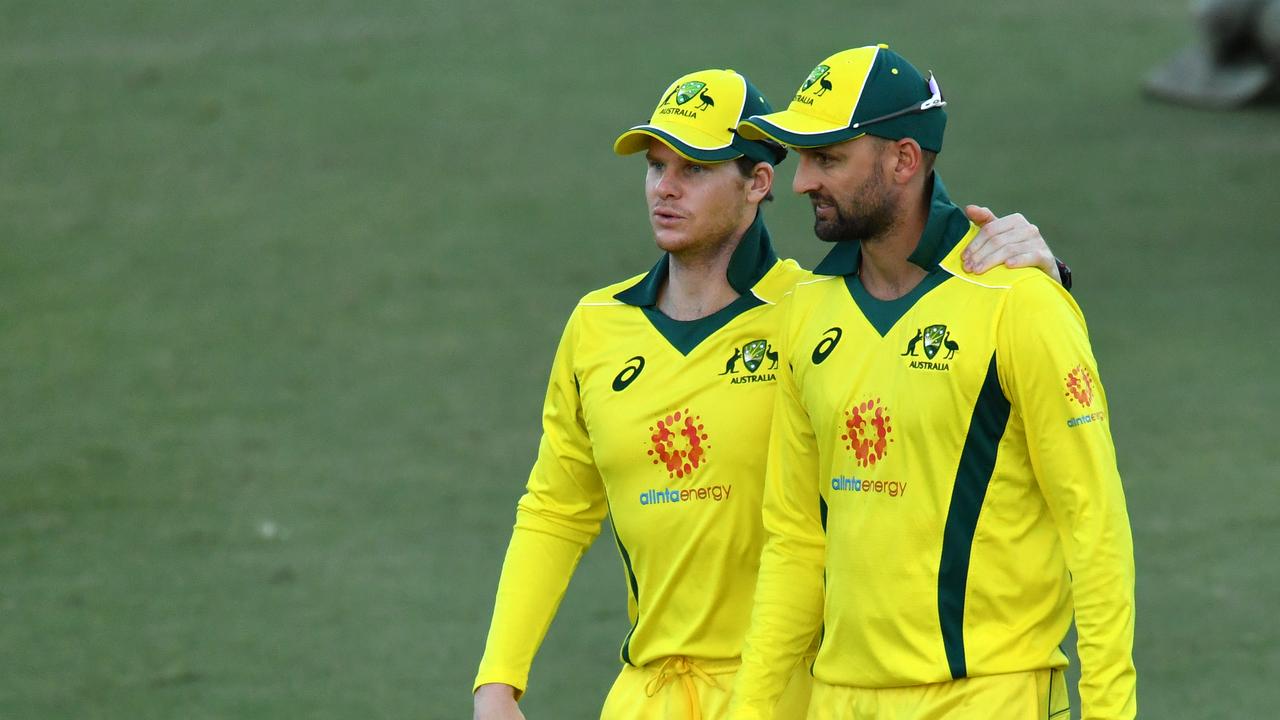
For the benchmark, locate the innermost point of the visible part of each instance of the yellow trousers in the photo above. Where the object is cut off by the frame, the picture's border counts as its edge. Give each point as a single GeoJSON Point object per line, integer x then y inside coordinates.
{"type": "Point", "coordinates": [1036, 695]}
{"type": "Point", "coordinates": [680, 688]}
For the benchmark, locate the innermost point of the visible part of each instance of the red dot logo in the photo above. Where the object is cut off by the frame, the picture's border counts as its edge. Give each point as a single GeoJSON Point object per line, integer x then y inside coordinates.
{"type": "Point", "coordinates": [867, 431]}
{"type": "Point", "coordinates": [678, 442]}
{"type": "Point", "coordinates": [1080, 385]}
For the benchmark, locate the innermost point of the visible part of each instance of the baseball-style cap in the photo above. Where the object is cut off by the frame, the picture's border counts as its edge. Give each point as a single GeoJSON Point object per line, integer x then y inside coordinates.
{"type": "Point", "coordinates": [867, 90]}
{"type": "Point", "coordinates": [698, 115]}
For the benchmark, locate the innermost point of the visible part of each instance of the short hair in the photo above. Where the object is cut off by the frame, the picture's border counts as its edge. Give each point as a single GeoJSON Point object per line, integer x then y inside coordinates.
{"type": "Point", "coordinates": [747, 167]}
{"type": "Point", "coordinates": [927, 157]}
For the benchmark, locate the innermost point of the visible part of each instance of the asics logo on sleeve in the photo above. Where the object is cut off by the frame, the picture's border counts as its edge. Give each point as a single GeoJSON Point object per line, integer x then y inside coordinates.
{"type": "Point", "coordinates": [628, 374]}
{"type": "Point", "coordinates": [827, 344]}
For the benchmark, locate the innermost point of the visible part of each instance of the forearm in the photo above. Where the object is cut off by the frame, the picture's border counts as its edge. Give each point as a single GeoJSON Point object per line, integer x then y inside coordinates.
{"type": "Point", "coordinates": [784, 621]}
{"type": "Point", "coordinates": [534, 577]}
{"type": "Point", "coordinates": [1102, 570]}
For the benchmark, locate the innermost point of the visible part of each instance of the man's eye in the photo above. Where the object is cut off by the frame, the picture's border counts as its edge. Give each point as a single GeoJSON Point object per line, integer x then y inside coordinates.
{"type": "Point", "coordinates": [696, 169]}
{"type": "Point", "coordinates": [655, 165]}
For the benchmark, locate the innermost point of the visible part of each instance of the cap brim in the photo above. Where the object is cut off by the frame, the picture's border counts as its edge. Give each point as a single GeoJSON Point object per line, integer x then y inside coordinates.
{"type": "Point", "coordinates": [1193, 77]}
{"type": "Point", "coordinates": [796, 129]}
{"type": "Point", "coordinates": [693, 145]}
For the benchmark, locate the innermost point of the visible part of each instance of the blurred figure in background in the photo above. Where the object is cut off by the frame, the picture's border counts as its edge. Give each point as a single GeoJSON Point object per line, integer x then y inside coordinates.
{"type": "Point", "coordinates": [1236, 61]}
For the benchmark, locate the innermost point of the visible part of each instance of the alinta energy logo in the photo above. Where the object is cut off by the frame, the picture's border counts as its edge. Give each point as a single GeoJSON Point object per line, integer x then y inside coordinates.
{"type": "Point", "coordinates": [934, 337]}
{"type": "Point", "coordinates": [678, 441]}
{"type": "Point", "coordinates": [683, 93]}
{"type": "Point", "coordinates": [868, 431]}
{"type": "Point", "coordinates": [821, 77]}
{"type": "Point", "coordinates": [752, 355]}
{"type": "Point", "coordinates": [1079, 383]}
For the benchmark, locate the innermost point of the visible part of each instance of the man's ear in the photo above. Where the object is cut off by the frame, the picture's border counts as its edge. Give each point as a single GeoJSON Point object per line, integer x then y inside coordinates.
{"type": "Point", "coordinates": [760, 182]}
{"type": "Point", "coordinates": [908, 160]}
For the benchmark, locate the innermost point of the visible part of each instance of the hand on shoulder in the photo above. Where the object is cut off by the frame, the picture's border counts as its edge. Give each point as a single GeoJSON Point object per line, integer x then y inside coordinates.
{"type": "Point", "coordinates": [1011, 241]}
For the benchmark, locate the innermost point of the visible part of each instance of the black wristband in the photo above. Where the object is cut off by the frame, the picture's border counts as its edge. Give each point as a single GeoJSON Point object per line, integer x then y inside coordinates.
{"type": "Point", "coordinates": [1065, 272]}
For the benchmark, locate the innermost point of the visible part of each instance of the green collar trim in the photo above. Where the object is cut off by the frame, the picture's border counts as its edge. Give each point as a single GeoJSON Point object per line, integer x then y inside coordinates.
{"type": "Point", "coordinates": [685, 335]}
{"type": "Point", "coordinates": [884, 314]}
{"type": "Point", "coordinates": [751, 261]}
{"type": "Point", "coordinates": [753, 257]}
{"type": "Point", "coordinates": [945, 227]}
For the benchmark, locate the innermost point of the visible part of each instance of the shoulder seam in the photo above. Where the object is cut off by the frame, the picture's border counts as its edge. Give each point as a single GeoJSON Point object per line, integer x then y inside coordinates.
{"type": "Point", "coordinates": [824, 278]}
{"type": "Point", "coordinates": [972, 281]}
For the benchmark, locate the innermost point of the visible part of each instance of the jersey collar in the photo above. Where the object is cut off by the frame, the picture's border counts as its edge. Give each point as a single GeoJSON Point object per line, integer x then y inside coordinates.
{"type": "Point", "coordinates": [946, 225]}
{"type": "Point", "coordinates": [751, 260]}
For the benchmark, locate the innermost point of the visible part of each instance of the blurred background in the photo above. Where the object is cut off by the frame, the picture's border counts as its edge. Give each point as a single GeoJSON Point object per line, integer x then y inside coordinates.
{"type": "Point", "coordinates": [280, 283]}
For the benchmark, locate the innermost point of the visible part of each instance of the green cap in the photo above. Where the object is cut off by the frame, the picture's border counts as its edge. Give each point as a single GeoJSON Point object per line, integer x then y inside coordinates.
{"type": "Point", "coordinates": [697, 116]}
{"type": "Point", "coordinates": [867, 90]}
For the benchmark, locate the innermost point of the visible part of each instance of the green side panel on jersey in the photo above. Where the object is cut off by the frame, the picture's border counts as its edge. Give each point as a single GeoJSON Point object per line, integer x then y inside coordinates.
{"type": "Point", "coordinates": [635, 591]}
{"type": "Point", "coordinates": [973, 475]}
{"type": "Point", "coordinates": [883, 314]}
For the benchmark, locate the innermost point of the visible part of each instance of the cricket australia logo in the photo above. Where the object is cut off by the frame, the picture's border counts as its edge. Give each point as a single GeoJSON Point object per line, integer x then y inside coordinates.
{"type": "Point", "coordinates": [934, 337]}
{"type": "Point", "coordinates": [683, 93]}
{"type": "Point", "coordinates": [821, 76]}
{"type": "Point", "coordinates": [752, 355]}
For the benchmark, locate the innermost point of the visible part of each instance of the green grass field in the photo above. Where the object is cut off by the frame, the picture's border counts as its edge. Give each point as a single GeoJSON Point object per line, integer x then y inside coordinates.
{"type": "Point", "coordinates": [280, 284]}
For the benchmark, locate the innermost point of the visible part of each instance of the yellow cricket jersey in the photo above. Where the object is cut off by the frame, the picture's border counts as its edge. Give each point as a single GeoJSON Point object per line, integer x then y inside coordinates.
{"type": "Point", "coordinates": [942, 490]}
{"type": "Point", "coordinates": [662, 426]}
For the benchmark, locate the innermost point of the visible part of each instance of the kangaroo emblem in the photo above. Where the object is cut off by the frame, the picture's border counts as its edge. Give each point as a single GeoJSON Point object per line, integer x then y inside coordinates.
{"type": "Point", "coordinates": [911, 345]}
{"type": "Point", "coordinates": [729, 366]}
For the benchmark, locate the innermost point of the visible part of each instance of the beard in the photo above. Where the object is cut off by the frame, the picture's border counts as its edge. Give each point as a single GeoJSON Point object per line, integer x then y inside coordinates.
{"type": "Point", "coordinates": [869, 214]}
